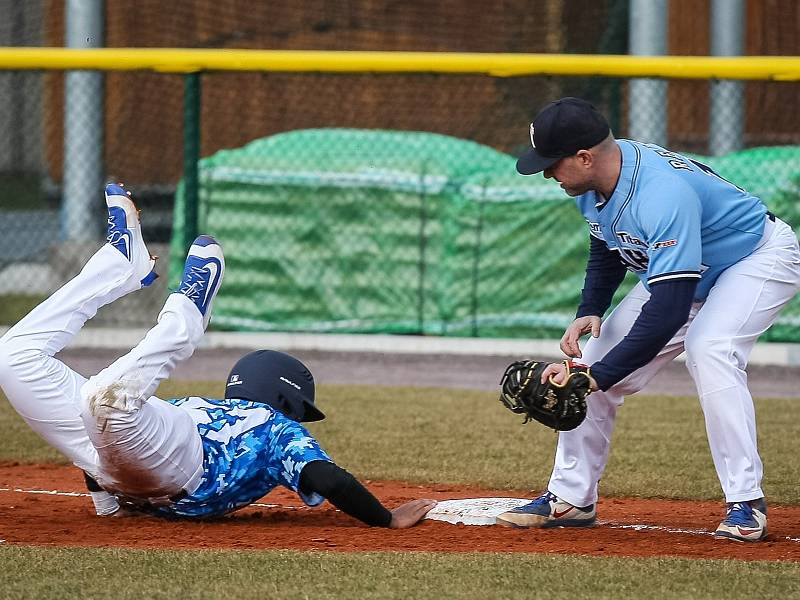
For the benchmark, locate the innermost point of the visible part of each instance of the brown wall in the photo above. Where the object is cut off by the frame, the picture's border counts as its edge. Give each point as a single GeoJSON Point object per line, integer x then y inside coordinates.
{"type": "Point", "coordinates": [772, 115]}
{"type": "Point", "coordinates": [144, 110]}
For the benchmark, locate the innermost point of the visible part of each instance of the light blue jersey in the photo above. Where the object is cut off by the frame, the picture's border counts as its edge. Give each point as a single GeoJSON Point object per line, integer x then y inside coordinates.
{"type": "Point", "coordinates": [673, 218]}
{"type": "Point", "coordinates": [249, 449]}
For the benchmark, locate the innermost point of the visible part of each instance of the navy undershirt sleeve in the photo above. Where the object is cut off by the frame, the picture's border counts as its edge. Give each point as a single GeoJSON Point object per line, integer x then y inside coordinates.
{"type": "Point", "coordinates": [662, 316]}
{"type": "Point", "coordinates": [345, 492]}
{"type": "Point", "coordinates": [604, 273]}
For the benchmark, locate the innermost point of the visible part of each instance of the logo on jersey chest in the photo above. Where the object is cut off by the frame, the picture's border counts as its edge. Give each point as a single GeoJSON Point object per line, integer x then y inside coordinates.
{"type": "Point", "coordinates": [631, 250]}
{"type": "Point", "coordinates": [627, 238]}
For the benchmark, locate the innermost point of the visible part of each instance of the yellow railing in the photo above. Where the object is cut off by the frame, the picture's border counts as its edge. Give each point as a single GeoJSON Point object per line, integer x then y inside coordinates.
{"type": "Point", "coordinates": [182, 60]}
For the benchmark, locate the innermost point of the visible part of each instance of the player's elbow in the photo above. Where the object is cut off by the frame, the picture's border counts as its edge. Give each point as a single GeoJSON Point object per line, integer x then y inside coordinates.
{"type": "Point", "coordinates": [325, 478]}
{"type": "Point", "coordinates": [671, 302]}
{"type": "Point", "coordinates": [677, 318]}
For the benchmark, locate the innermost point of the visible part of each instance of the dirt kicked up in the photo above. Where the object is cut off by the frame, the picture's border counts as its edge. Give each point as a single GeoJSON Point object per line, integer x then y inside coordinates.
{"type": "Point", "coordinates": [45, 505]}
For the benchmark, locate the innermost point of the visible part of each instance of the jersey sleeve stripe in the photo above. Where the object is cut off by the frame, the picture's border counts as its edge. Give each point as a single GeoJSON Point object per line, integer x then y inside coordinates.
{"type": "Point", "coordinates": [674, 275]}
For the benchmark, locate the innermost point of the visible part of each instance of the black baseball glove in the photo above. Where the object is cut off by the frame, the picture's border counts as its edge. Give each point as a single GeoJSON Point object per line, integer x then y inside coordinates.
{"type": "Point", "coordinates": [561, 407]}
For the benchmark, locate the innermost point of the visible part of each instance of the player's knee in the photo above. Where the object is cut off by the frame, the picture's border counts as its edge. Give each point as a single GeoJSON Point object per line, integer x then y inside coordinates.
{"type": "Point", "coordinates": [12, 356]}
{"type": "Point", "coordinates": [702, 349]}
{"type": "Point", "coordinates": [694, 348]}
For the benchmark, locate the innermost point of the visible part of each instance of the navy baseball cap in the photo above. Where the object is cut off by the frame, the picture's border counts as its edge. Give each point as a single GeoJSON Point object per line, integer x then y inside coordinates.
{"type": "Point", "coordinates": [277, 379]}
{"type": "Point", "coordinates": [561, 129]}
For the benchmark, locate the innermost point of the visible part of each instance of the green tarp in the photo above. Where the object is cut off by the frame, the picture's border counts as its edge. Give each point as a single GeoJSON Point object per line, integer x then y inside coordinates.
{"type": "Point", "coordinates": [341, 230]}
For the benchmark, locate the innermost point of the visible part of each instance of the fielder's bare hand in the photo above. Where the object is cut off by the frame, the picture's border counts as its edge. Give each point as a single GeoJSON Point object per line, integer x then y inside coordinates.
{"type": "Point", "coordinates": [409, 514]}
{"type": "Point", "coordinates": [578, 328]}
{"type": "Point", "coordinates": [557, 371]}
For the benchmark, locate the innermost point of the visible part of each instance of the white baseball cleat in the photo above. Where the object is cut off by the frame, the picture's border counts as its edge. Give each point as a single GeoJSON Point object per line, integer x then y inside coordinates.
{"type": "Point", "coordinates": [202, 274]}
{"type": "Point", "coordinates": [125, 233]}
{"type": "Point", "coordinates": [548, 510]}
{"type": "Point", "coordinates": [745, 522]}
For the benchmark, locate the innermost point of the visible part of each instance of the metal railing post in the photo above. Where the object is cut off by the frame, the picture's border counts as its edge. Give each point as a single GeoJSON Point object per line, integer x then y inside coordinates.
{"type": "Point", "coordinates": [191, 156]}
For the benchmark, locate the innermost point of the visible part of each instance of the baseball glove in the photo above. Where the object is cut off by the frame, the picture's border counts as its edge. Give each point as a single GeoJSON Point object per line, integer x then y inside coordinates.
{"type": "Point", "coordinates": [561, 407]}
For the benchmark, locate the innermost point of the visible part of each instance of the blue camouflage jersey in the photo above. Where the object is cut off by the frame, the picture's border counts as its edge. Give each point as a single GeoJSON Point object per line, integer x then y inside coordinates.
{"type": "Point", "coordinates": [249, 449]}
{"type": "Point", "coordinates": [671, 217]}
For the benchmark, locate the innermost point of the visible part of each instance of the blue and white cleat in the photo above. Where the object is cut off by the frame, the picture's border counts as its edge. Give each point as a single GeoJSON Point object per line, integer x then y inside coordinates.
{"type": "Point", "coordinates": [745, 522]}
{"type": "Point", "coordinates": [548, 510]}
{"type": "Point", "coordinates": [125, 233]}
{"type": "Point", "coordinates": [202, 274]}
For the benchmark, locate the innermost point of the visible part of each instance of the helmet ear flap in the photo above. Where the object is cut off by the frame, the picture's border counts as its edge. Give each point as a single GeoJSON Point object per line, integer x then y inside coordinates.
{"type": "Point", "coordinates": [290, 407]}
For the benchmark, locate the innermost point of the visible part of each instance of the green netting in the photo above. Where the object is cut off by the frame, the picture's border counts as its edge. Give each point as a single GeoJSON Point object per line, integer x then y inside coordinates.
{"type": "Point", "coordinates": [343, 230]}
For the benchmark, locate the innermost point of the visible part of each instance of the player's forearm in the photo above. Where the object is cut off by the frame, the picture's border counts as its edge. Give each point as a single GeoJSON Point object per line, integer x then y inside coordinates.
{"type": "Point", "coordinates": [604, 273]}
{"type": "Point", "coordinates": [661, 317]}
{"type": "Point", "coordinates": [345, 492]}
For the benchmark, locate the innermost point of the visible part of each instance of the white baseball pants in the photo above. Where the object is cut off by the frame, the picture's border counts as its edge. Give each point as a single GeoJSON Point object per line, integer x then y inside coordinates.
{"type": "Point", "coordinates": [718, 338]}
{"type": "Point", "coordinates": [109, 425]}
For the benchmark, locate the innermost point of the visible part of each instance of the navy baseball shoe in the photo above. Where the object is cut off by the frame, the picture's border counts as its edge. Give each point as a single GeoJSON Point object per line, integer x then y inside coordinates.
{"type": "Point", "coordinates": [745, 522]}
{"type": "Point", "coordinates": [125, 233]}
{"type": "Point", "coordinates": [202, 274]}
{"type": "Point", "coordinates": [548, 510]}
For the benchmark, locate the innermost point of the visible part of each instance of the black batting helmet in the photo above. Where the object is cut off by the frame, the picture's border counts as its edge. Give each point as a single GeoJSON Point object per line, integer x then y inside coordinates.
{"type": "Point", "coordinates": [277, 379]}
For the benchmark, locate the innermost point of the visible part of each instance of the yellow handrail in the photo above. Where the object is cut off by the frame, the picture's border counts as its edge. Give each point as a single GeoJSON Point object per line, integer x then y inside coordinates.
{"type": "Point", "coordinates": [188, 60]}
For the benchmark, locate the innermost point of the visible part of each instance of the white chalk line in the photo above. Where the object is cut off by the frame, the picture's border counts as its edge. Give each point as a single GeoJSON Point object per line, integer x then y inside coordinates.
{"type": "Point", "coordinates": [645, 527]}
{"type": "Point", "coordinates": [608, 524]}
{"type": "Point", "coordinates": [85, 495]}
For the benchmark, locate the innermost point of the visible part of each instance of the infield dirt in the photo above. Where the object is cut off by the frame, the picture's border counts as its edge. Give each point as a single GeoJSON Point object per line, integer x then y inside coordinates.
{"type": "Point", "coordinates": [627, 527]}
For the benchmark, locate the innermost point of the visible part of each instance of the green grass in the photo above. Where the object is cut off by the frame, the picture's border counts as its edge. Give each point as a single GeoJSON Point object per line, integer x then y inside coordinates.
{"type": "Point", "coordinates": [15, 306]}
{"type": "Point", "coordinates": [447, 436]}
{"type": "Point", "coordinates": [439, 436]}
{"type": "Point", "coordinates": [120, 574]}
{"type": "Point", "coordinates": [467, 437]}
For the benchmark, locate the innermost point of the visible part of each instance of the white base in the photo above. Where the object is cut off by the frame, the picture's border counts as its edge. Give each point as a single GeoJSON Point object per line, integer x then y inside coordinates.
{"type": "Point", "coordinates": [474, 511]}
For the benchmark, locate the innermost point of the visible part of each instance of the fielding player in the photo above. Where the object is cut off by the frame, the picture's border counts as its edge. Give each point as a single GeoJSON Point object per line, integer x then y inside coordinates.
{"type": "Point", "coordinates": [188, 457]}
{"type": "Point", "coordinates": [715, 269]}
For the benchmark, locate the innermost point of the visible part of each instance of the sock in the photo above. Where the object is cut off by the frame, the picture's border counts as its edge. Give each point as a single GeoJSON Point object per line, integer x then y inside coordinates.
{"type": "Point", "coordinates": [104, 503]}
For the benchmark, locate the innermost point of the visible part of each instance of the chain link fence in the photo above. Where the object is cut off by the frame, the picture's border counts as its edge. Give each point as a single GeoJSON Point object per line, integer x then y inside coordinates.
{"type": "Point", "coordinates": [360, 231]}
{"type": "Point", "coordinates": [353, 230]}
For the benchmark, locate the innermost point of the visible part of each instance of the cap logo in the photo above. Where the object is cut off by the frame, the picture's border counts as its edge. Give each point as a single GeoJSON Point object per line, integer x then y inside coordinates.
{"type": "Point", "coordinates": [291, 383]}
{"type": "Point", "coordinates": [235, 380]}
{"type": "Point", "coordinates": [533, 142]}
